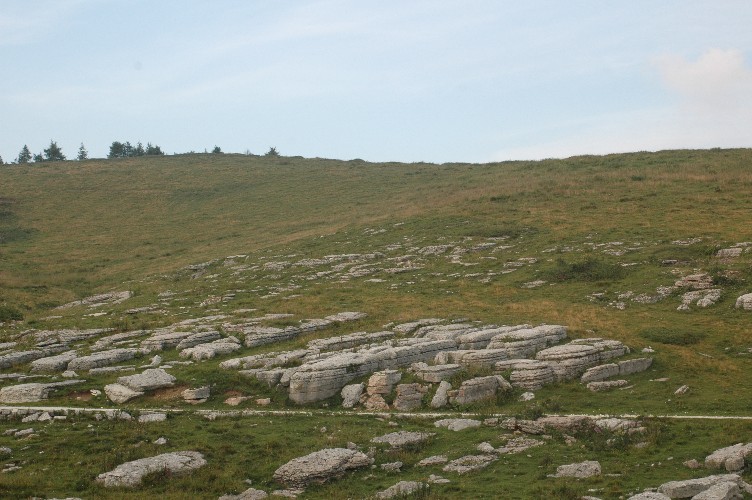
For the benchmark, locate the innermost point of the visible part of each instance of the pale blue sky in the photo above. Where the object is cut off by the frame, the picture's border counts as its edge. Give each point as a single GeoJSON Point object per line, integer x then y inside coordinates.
{"type": "Point", "coordinates": [438, 80]}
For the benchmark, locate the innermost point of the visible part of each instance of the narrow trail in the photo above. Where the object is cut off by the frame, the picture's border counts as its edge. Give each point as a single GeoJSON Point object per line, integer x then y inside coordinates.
{"type": "Point", "coordinates": [6, 410]}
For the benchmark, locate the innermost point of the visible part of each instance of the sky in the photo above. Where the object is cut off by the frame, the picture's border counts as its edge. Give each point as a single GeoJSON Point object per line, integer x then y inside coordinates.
{"type": "Point", "coordinates": [437, 81]}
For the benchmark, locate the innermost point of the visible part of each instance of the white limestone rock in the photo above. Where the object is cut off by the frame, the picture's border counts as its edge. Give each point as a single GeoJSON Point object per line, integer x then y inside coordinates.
{"type": "Point", "coordinates": [479, 389]}
{"type": "Point", "coordinates": [731, 458]}
{"type": "Point", "coordinates": [403, 438]}
{"type": "Point", "coordinates": [588, 468]}
{"type": "Point", "coordinates": [102, 358]}
{"type": "Point", "coordinates": [744, 302]}
{"type": "Point", "coordinates": [441, 398]}
{"type": "Point", "coordinates": [320, 466]}
{"type": "Point", "coordinates": [53, 364]}
{"type": "Point", "coordinates": [457, 424]}
{"type": "Point", "coordinates": [130, 474]}
{"type": "Point", "coordinates": [120, 394]}
{"type": "Point", "coordinates": [691, 487]}
{"type": "Point", "coordinates": [351, 394]}
{"type": "Point", "coordinates": [409, 396]}
{"type": "Point", "coordinates": [148, 380]}
{"type": "Point", "coordinates": [402, 488]}
{"type": "Point", "coordinates": [211, 349]}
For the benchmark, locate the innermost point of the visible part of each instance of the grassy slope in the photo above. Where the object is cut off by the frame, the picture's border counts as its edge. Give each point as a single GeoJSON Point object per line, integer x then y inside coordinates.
{"type": "Point", "coordinates": [71, 229]}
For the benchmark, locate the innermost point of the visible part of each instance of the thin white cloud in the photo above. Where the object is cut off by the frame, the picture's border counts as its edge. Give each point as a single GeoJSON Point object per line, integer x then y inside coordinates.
{"type": "Point", "coordinates": [709, 105]}
{"type": "Point", "coordinates": [30, 21]}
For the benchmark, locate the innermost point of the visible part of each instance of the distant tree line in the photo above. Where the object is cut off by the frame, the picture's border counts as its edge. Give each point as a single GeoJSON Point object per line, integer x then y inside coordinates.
{"type": "Point", "coordinates": [126, 150]}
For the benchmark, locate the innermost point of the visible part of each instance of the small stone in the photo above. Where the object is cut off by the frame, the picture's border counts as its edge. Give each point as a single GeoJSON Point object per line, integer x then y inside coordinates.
{"type": "Point", "coordinates": [403, 488]}
{"type": "Point", "coordinates": [589, 468]}
{"type": "Point", "coordinates": [681, 390]}
{"type": "Point", "coordinates": [434, 479]}
{"type": "Point", "coordinates": [457, 424]}
{"type": "Point", "coordinates": [152, 417]}
{"type": "Point", "coordinates": [527, 396]}
{"type": "Point", "coordinates": [391, 467]}
{"type": "Point", "coordinates": [433, 460]}
{"type": "Point", "coordinates": [263, 401]}
{"type": "Point", "coordinates": [160, 441]}
{"type": "Point", "coordinates": [692, 464]}
{"type": "Point", "coordinates": [249, 494]}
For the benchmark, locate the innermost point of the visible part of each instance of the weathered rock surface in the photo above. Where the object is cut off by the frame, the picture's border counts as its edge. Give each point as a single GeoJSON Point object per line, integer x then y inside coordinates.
{"type": "Point", "coordinates": [479, 389]}
{"type": "Point", "coordinates": [621, 368]}
{"type": "Point", "coordinates": [148, 380]}
{"type": "Point", "coordinates": [201, 393]}
{"type": "Point", "coordinates": [409, 397]}
{"type": "Point", "coordinates": [211, 349]}
{"type": "Point", "coordinates": [523, 343]}
{"type": "Point", "coordinates": [102, 358]}
{"type": "Point", "coordinates": [52, 364]}
{"type": "Point", "coordinates": [441, 397]}
{"type": "Point", "coordinates": [732, 458]}
{"type": "Point", "coordinates": [437, 373]}
{"type": "Point", "coordinates": [457, 424]}
{"type": "Point", "coordinates": [692, 487]}
{"type": "Point", "coordinates": [348, 341]}
{"type": "Point", "coordinates": [164, 340]}
{"type": "Point", "coordinates": [589, 468]}
{"type": "Point", "coordinates": [403, 488]}
{"type": "Point", "coordinates": [31, 393]}
{"type": "Point", "coordinates": [198, 338]}
{"type": "Point", "coordinates": [569, 361]}
{"type": "Point", "coordinates": [721, 491]}
{"type": "Point", "coordinates": [20, 357]}
{"type": "Point", "coordinates": [249, 494]}
{"type": "Point", "coordinates": [744, 302]}
{"type": "Point", "coordinates": [469, 463]}
{"type": "Point", "coordinates": [403, 438]}
{"type": "Point", "coordinates": [320, 466]}
{"type": "Point", "coordinates": [433, 460]}
{"type": "Point", "coordinates": [607, 385]}
{"type": "Point", "coordinates": [529, 374]}
{"type": "Point", "coordinates": [351, 394]}
{"type": "Point", "coordinates": [649, 495]}
{"type": "Point", "coordinates": [130, 474]}
{"type": "Point", "coordinates": [120, 394]}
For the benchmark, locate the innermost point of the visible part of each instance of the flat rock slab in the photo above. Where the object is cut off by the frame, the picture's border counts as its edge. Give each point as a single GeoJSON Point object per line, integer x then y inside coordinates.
{"type": "Point", "coordinates": [469, 463]}
{"type": "Point", "coordinates": [249, 494]}
{"type": "Point", "coordinates": [402, 438]}
{"type": "Point", "coordinates": [148, 380]}
{"type": "Point", "coordinates": [457, 424]}
{"type": "Point", "coordinates": [731, 458]}
{"type": "Point", "coordinates": [588, 468]}
{"type": "Point", "coordinates": [320, 466]}
{"type": "Point", "coordinates": [120, 394]}
{"type": "Point", "coordinates": [31, 393]}
{"type": "Point", "coordinates": [403, 488]}
{"type": "Point", "coordinates": [130, 474]}
{"type": "Point", "coordinates": [692, 487]}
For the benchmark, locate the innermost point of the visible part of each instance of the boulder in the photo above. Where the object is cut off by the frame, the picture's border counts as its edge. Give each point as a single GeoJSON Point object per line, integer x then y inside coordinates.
{"type": "Point", "coordinates": [589, 468]}
{"type": "Point", "coordinates": [211, 349]}
{"type": "Point", "coordinates": [351, 394]}
{"type": "Point", "coordinates": [202, 393]}
{"type": "Point", "coordinates": [249, 494]}
{"type": "Point", "coordinates": [320, 466]}
{"type": "Point", "coordinates": [402, 438]}
{"type": "Point", "coordinates": [691, 487]}
{"type": "Point", "coordinates": [130, 474]}
{"type": "Point", "coordinates": [441, 397]}
{"type": "Point", "coordinates": [120, 394]}
{"type": "Point", "coordinates": [649, 495]}
{"type": "Point", "coordinates": [31, 393]}
{"type": "Point", "coordinates": [102, 358]}
{"type": "Point", "coordinates": [479, 389]}
{"type": "Point", "coordinates": [607, 385]}
{"type": "Point", "coordinates": [148, 380]}
{"type": "Point", "coordinates": [383, 382]}
{"type": "Point", "coordinates": [721, 491]}
{"type": "Point", "coordinates": [403, 488]}
{"type": "Point", "coordinates": [528, 374]}
{"type": "Point", "coordinates": [52, 364]}
{"type": "Point", "coordinates": [409, 397]}
{"type": "Point", "coordinates": [469, 463]}
{"type": "Point", "coordinates": [744, 302]}
{"type": "Point", "coordinates": [437, 373]}
{"type": "Point", "coordinates": [731, 457]}
{"type": "Point", "coordinates": [198, 338]}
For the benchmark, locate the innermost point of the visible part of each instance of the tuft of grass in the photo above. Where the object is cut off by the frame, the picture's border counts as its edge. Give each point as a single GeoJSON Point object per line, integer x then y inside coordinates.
{"type": "Point", "coordinates": [588, 269]}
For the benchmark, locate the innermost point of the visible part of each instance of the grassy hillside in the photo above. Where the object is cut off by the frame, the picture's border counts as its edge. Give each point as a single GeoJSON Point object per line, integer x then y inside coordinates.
{"type": "Point", "coordinates": [597, 243]}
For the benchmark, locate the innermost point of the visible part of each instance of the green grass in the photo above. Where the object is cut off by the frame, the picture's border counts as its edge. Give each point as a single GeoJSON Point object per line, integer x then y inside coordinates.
{"type": "Point", "coordinates": [600, 231]}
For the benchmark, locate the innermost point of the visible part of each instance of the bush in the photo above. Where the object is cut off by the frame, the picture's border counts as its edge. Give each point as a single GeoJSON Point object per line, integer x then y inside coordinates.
{"type": "Point", "coordinates": [590, 269]}
{"type": "Point", "coordinates": [8, 313]}
{"type": "Point", "coordinates": [671, 336]}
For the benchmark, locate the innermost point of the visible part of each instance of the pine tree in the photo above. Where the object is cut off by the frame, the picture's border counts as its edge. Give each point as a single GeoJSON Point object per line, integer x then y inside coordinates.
{"type": "Point", "coordinates": [216, 150]}
{"type": "Point", "coordinates": [24, 156]}
{"type": "Point", "coordinates": [1, 161]}
{"type": "Point", "coordinates": [54, 153]}
{"type": "Point", "coordinates": [138, 150]}
{"type": "Point", "coordinates": [38, 158]}
{"type": "Point", "coordinates": [82, 153]}
{"type": "Point", "coordinates": [272, 152]}
{"type": "Point", "coordinates": [153, 150]}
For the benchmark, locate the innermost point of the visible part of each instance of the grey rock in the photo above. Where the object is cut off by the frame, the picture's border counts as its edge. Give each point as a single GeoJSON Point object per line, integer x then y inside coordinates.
{"type": "Point", "coordinates": [433, 460]}
{"type": "Point", "coordinates": [383, 382]}
{"type": "Point", "coordinates": [31, 393]}
{"type": "Point", "coordinates": [102, 358]}
{"type": "Point", "coordinates": [692, 487]}
{"type": "Point", "coordinates": [198, 338]}
{"type": "Point", "coordinates": [731, 457]}
{"type": "Point", "coordinates": [391, 467]}
{"type": "Point", "coordinates": [525, 342]}
{"type": "Point", "coordinates": [588, 468]}
{"type": "Point", "coordinates": [20, 357]}
{"type": "Point", "coordinates": [721, 491]}
{"type": "Point", "coordinates": [403, 438]}
{"type": "Point", "coordinates": [249, 494]}
{"type": "Point", "coordinates": [351, 394]}
{"type": "Point", "coordinates": [479, 389]}
{"type": "Point", "coordinates": [130, 474]}
{"type": "Point", "coordinates": [682, 390]}
{"type": "Point", "coordinates": [346, 316]}
{"type": "Point", "coordinates": [164, 340]}
{"type": "Point", "coordinates": [437, 373]}
{"type": "Point", "coordinates": [409, 397]}
{"type": "Point", "coordinates": [53, 364]}
{"type": "Point", "coordinates": [469, 463]}
{"type": "Point", "coordinates": [348, 341]}
{"type": "Point", "coordinates": [197, 394]}
{"type": "Point", "coordinates": [120, 394]}
{"type": "Point", "coordinates": [441, 398]}
{"type": "Point", "coordinates": [148, 418]}
{"type": "Point", "coordinates": [528, 374]}
{"type": "Point", "coordinates": [744, 302]}
{"type": "Point", "coordinates": [212, 349]}
{"type": "Point", "coordinates": [607, 385]}
{"type": "Point", "coordinates": [160, 441]}
{"type": "Point", "coordinates": [649, 495]}
{"type": "Point", "coordinates": [401, 489]}
{"type": "Point", "coordinates": [320, 466]}
{"type": "Point", "coordinates": [434, 479]}
{"type": "Point", "coordinates": [457, 424]}
{"type": "Point", "coordinates": [150, 379]}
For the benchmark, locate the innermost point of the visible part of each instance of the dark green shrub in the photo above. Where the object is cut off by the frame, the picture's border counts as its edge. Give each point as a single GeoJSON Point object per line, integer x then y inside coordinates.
{"type": "Point", "coordinates": [9, 313]}
{"type": "Point", "coordinates": [671, 336]}
{"type": "Point", "coordinates": [589, 269]}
